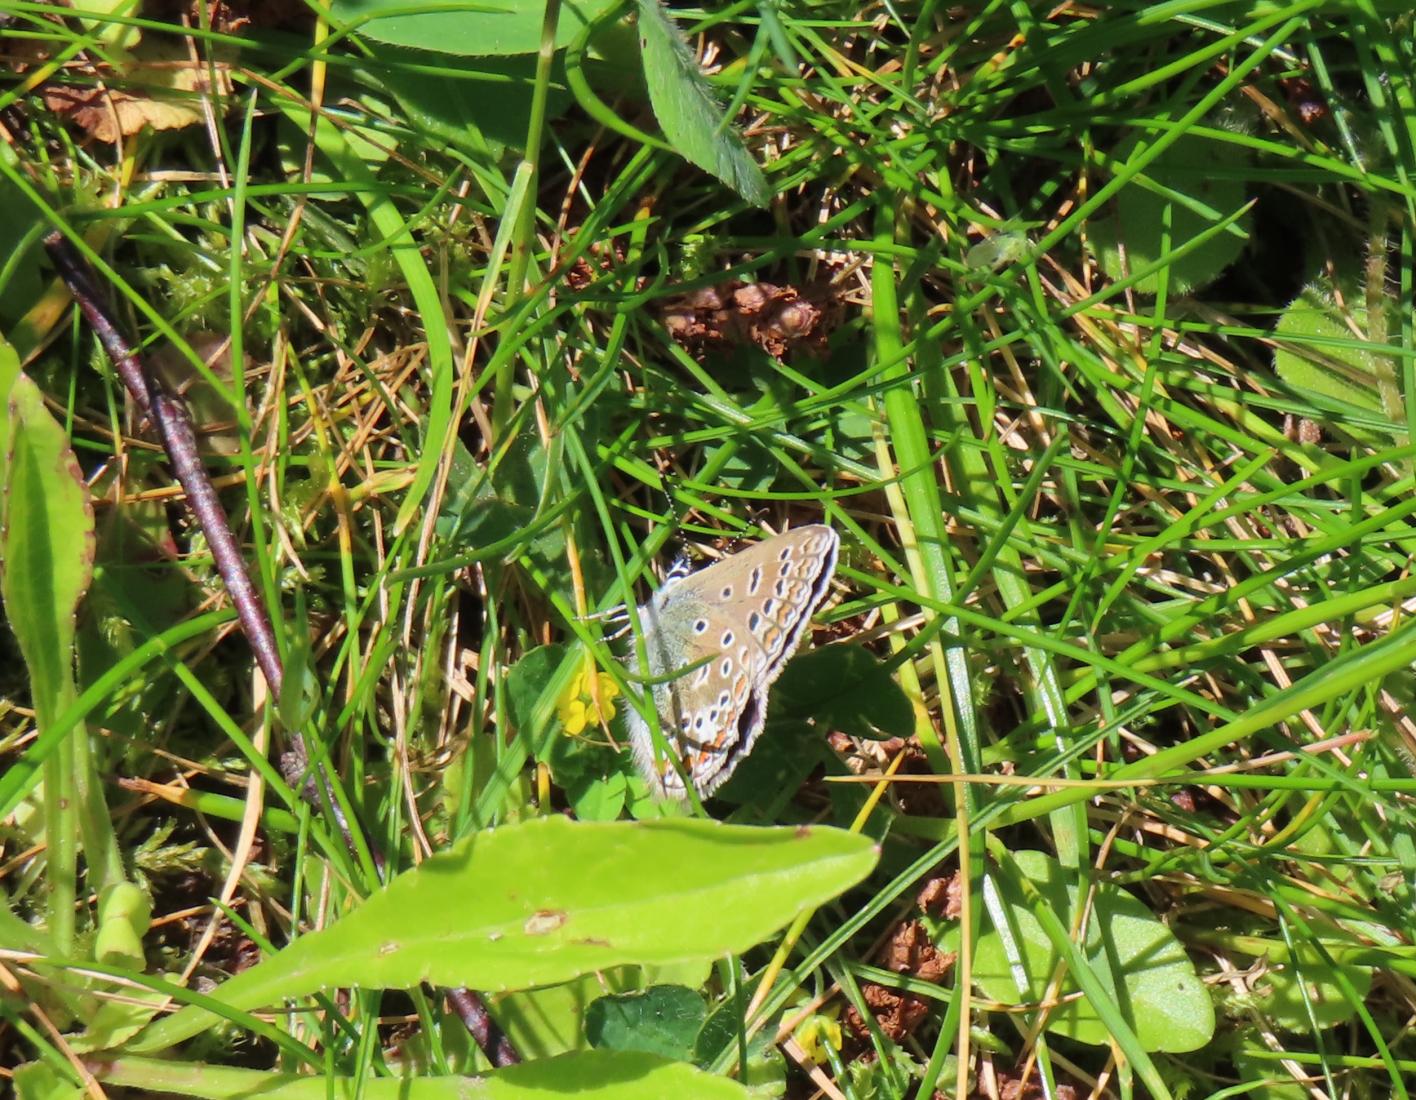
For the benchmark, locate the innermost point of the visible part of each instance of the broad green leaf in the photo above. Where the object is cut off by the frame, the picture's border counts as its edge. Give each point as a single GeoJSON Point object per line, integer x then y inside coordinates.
{"type": "Point", "coordinates": [1285, 1005]}
{"type": "Point", "coordinates": [587, 1075]}
{"type": "Point", "coordinates": [848, 688]}
{"type": "Point", "coordinates": [38, 1081]}
{"type": "Point", "coordinates": [1320, 354]}
{"type": "Point", "coordinates": [599, 798]}
{"type": "Point", "coordinates": [546, 900]}
{"type": "Point", "coordinates": [118, 1019]}
{"type": "Point", "coordinates": [480, 104]}
{"type": "Point", "coordinates": [663, 1020]}
{"type": "Point", "coordinates": [687, 111]}
{"type": "Point", "coordinates": [528, 678]}
{"type": "Point", "coordinates": [46, 545]}
{"type": "Point", "coordinates": [9, 372]}
{"type": "Point", "coordinates": [115, 36]}
{"type": "Point", "coordinates": [1188, 187]}
{"type": "Point", "coordinates": [1260, 1072]}
{"type": "Point", "coordinates": [1160, 995]}
{"type": "Point", "coordinates": [467, 28]}
{"type": "Point", "coordinates": [551, 1020]}
{"type": "Point", "coordinates": [489, 506]}
{"type": "Point", "coordinates": [370, 145]}
{"type": "Point", "coordinates": [749, 467]}
{"type": "Point", "coordinates": [21, 281]}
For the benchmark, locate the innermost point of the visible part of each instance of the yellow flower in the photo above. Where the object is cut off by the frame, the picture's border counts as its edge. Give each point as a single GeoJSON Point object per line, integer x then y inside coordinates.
{"type": "Point", "coordinates": [579, 708]}
{"type": "Point", "coordinates": [815, 1034]}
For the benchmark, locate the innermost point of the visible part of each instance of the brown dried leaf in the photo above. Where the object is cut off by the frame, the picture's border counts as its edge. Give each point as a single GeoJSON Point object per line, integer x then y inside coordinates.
{"type": "Point", "coordinates": [163, 95]}
{"type": "Point", "coordinates": [941, 896]}
{"type": "Point", "coordinates": [897, 1014]}
{"type": "Point", "coordinates": [774, 318]}
{"type": "Point", "coordinates": [909, 951]}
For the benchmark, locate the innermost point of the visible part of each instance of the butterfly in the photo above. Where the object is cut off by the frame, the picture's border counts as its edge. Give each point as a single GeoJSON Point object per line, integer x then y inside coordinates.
{"type": "Point", "coordinates": [716, 640]}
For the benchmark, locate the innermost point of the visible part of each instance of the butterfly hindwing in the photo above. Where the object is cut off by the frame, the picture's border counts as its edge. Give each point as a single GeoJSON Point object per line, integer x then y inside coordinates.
{"type": "Point", "coordinates": [731, 628]}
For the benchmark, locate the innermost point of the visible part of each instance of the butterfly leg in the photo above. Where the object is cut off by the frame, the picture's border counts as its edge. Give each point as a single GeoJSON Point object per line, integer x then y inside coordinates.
{"type": "Point", "coordinates": [617, 616]}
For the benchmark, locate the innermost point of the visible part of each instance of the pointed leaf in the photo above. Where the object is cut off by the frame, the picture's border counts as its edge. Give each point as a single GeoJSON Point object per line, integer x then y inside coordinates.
{"type": "Point", "coordinates": [687, 111]}
{"type": "Point", "coordinates": [587, 1075]}
{"type": "Point", "coordinates": [546, 900]}
{"type": "Point", "coordinates": [46, 545]}
{"type": "Point", "coordinates": [498, 27]}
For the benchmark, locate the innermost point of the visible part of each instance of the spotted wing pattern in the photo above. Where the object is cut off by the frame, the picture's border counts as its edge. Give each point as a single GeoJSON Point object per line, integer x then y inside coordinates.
{"type": "Point", "coordinates": [727, 631]}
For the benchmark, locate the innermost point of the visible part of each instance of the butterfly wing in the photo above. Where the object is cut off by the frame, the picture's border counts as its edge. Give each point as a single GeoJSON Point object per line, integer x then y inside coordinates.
{"type": "Point", "coordinates": [733, 626]}
{"type": "Point", "coordinates": [700, 711]}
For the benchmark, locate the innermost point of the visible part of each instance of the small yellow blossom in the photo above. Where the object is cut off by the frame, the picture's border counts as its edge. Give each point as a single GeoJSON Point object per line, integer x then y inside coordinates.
{"type": "Point", "coordinates": [578, 707]}
{"type": "Point", "coordinates": [815, 1034]}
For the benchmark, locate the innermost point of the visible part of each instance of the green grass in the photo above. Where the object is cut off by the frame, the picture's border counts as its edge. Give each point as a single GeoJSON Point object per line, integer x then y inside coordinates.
{"type": "Point", "coordinates": [1097, 551]}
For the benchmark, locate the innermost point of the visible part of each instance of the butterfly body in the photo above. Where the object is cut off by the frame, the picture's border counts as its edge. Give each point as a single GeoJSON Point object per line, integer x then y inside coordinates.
{"type": "Point", "coordinates": [716, 639]}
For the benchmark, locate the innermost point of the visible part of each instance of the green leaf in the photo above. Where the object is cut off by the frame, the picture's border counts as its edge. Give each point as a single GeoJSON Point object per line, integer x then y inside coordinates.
{"type": "Point", "coordinates": [488, 507]}
{"type": "Point", "coordinates": [687, 111]}
{"type": "Point", "coordinates": [549, 899]}
{"type": "Point", "coordinates": [599, 798]}
{"type": "Point", "coordinates": [551, 1020]}
{"type": "Point", "coordinates": [9, 372]}
{"type": "Point", "coordinates": [765, 1073]}
{"type": "Point", "coordinates": [848, 688]}
{"type": "Point", "coordinates": [1281, 993]}
{"type": "Point", "coordinates": [497, 27]}
{"type": "Point", "coordinates": [21, 281]}
{"type": "Point", "coordinates": [663, 1020]}
{"type": "Point", "coordinates": [587, 1075]}
{"type": "Point", "coordinates": [116, 1020]}
{"type": "Point", "coordinates": [1159, 995]}
{"type": "Point", "coordinates": [1320, 355]}
{"type": "Point", "coordinates": [46, 545]}
{"type": "Point", "coordinates": [37, 1081]}
{"type": "Point", "coordinates": [115, 36]}
{"type": "Point", "coordinates": [124, 915]}
{"type": "Point", "coordinates": [1187, 188]}
{"type": "Point", "coordinates": [482, 106]}
{"type": "Point", "coordinates": [786, 753]}
{"type": "Point", "coordinates": [1260, 1074]}
{"type": "Point", "coordinates": [528, 678]}
{"type": "Point", "coordinates": [998, 251]}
